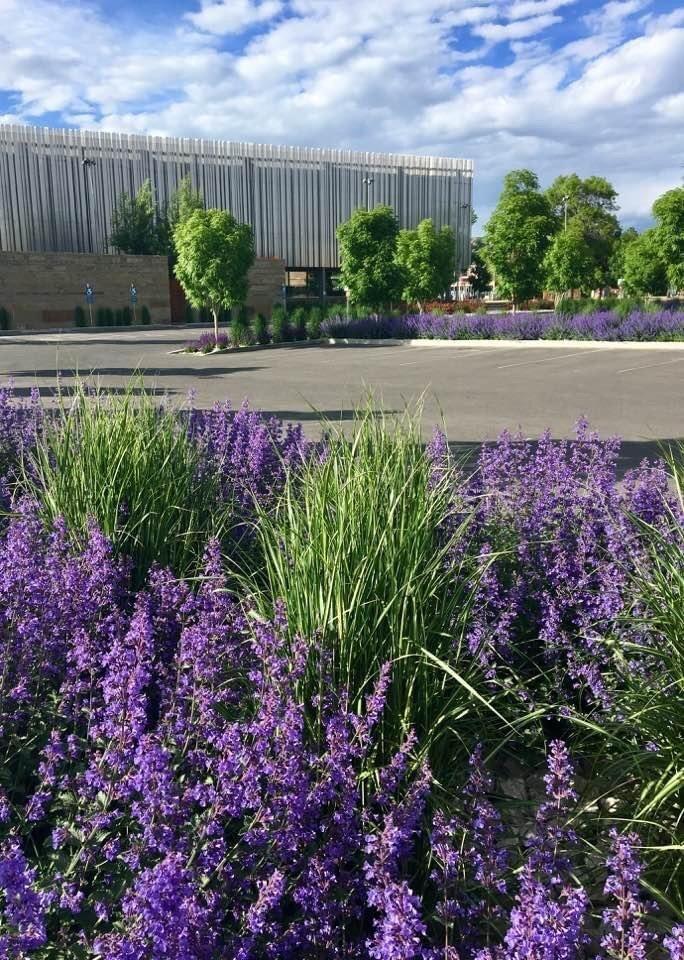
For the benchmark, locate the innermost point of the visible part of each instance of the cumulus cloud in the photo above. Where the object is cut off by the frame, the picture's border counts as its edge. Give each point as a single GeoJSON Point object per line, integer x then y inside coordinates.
{"type": "Point", "coordinates": [233, 16]}
{"type": "Point", "coordinates": [516, 29]}
{"type": "Point", "coordinates": [399, 75]}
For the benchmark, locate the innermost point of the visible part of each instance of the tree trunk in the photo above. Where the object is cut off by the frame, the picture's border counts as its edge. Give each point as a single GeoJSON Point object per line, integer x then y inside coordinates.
{"type": "Point", "coordinates": [215, 314]}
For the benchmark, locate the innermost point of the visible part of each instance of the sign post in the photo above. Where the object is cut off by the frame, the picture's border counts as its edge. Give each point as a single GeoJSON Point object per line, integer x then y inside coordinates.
{"type": "Point", "coordinates": [90, 299]}
{"type": "Point", "coordinates": [134, 300]}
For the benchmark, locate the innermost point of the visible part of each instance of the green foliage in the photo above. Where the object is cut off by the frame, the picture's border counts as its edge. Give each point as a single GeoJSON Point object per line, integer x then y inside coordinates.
{"type": "Point", "coordinates": [4, 318]}
{"type": "Point", "coordinates": [367, 242]}
{"type": "Point", "coordinates": [135, 229]}
{"type": "Point", "coordinates": [127, 316]}
{"type": "Point", "coordinates": [214, 255]}
{"type": "Point", "coordinates": [101, 317]}
{"type": "Point", "coordinates": [280, 325]}
{"type": "Point", "coordinates": [80, 318]}
{"type": "Point", "coordinates": [118, 317]}
{"type": "Point", "coordinates": [427, 258]}
{"type": "Point", "coordinates": [569, 263]}
{"type": "Point", "coordinates": [313, 323]}
{"type": "Point", "coordinates": [240, 330]}
{"type": "Point", "coordinates": [298, 323]}
{"type": "Point", "coordinates": [145, 315]}
{"type": "Point", "coordinates": [644, 268]}
{"type": "Point", "coordinates": [352, 547]}
{"type": "Point", "coordinates": [617, 259]}
{"type": "Point", "coordinates": [668, 211]}
{"type": "Point", "coordinates": [517, 236]}
{"type": "Point", "coordinates": [123, 462]}
{"type": "Point", "coordinates": [109, 317]}
{"type": "Point", "coordinates": [184, 201]}
{"type": "Point", "coordinates": [261, 328]}
{"type": "Point", "coordinates": [591, 206]}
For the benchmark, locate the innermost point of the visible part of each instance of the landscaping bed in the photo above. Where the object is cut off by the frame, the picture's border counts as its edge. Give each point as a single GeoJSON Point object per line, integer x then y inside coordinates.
{"type": "Point", "coordinates": [269, 697]}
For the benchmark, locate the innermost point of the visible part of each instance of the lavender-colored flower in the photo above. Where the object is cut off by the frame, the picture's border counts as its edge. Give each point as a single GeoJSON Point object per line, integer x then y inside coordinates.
{"type": "Point", "coordinates": [22, 914]}
{"type": "Point", "coordinates": [626, 937]}
{"type": "Point", "coordinates": [674, 943]}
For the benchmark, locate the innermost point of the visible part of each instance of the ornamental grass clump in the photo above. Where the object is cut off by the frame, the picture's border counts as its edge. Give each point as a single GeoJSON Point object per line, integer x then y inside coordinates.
{"type": "Point", "coordinates": [129, 466]}
{"type": "Point", "coordinates": [356, 548]}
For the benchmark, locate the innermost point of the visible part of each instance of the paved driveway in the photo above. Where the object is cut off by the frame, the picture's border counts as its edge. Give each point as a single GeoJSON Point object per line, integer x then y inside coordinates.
{"type": "Point", "coordinates": [478, 390]}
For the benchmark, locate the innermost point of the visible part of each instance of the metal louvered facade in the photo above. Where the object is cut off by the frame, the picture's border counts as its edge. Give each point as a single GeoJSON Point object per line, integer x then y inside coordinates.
{"type": "Point", "coordinates": [294, 197]}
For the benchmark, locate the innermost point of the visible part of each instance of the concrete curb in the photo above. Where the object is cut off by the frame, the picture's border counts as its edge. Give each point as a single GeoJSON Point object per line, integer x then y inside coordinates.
{"type": "Point", "coordinates": [451, 344]}
{"type": "Point", "coordinates": [512, 344]}
{"type": "Point", "coordinates": [253, 348]}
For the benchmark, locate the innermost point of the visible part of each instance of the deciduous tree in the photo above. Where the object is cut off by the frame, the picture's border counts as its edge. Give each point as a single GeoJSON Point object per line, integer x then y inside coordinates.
{"type": "Point", "coordinates": [668, 211]}
{"type": "Point", "coordinates": [644, 268]}
{"type": "Point", "coordinates": [569, 263]}
{"type": "Point", "coordinates": [517, 236]}
{"type": "Point", "coordinates": [214, 254]}
{"type": "Point", "coordinates": [368, 244]}
{"type": "Point", "coordinates": [591, 204]}
{"type": "Point", "coordinates": [427, 259]}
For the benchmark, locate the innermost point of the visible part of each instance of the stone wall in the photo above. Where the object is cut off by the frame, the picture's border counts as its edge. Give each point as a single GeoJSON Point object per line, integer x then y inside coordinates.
{"type": "Point", "coordinates": [266, 279]}
{"type": "Point", "coordinates": [41, 290]}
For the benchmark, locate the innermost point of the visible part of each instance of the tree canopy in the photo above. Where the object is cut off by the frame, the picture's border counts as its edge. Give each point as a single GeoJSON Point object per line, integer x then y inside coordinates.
{"type": "Point", "coordinates": [369, 269]}
{"type": "Point", "coordinates": [569, 261]}
{"type": "Point", "coordinates": [427, 259]}
{"type": "Point", "coordinates": [214, 253]}
{"type": "Point", "coordinates": [591, 205]}
{"type": "Point", "coordinates": [184, 201]}
{"type": "Point", "coordinates": [644, 270]}
{"type": "Point", "coordinates": [668, 211]}
{"type": "Point", "coordinates": [134, 223]}
{"type": "Point", "coordinates": [517, 236]}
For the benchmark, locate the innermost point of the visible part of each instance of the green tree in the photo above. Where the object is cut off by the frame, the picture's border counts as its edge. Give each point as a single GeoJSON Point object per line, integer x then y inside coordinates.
{"type": "Point", "coordinates": [517, 236]}
{"type": "Point", "coordinates": [427, 259]}
{"type": "Point", "coordinates": [368, 243]}
{"type": "Point", "coordinates": [644, 267]}
{"type": "Point", "coordinates": [214, 254]}
{"type": "Point", "coordinates": [184, 201]}
{"type": "Point", "coordinates": [617, 258]}
{"type": "Point", "coordinates": [135, 227]}
{"type": "Point", "coordinates": [668, 211]}
{"type": "Point", "coordinates": [591, 205]}
{"type": "Point", "coordinates": [569, 262]}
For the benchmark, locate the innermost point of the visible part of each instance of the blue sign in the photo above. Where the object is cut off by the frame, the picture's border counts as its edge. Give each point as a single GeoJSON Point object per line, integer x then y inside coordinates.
{"type": "Point", "coordinates": [134, 293]}
{"type": "Point", "coordinates": [89, 293]}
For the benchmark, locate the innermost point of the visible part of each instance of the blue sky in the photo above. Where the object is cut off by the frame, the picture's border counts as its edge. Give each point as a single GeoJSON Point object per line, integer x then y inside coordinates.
{"type": "Point", "coordinates": [554, 85]}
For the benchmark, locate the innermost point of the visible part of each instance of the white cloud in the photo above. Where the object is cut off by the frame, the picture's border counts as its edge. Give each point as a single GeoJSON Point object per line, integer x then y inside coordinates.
{"type": "Point", "coordinates": [516, 29]}
{"type": "Point", "coordinates": [397, 75]}
{"type": "Point", "coordinates": [233, 16]}
{"type": "Point", "coordinates": [532, 8]}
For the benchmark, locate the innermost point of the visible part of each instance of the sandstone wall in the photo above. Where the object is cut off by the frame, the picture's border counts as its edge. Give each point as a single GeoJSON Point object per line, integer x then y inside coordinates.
{"type": "Point", "coordinates": [41, 289]}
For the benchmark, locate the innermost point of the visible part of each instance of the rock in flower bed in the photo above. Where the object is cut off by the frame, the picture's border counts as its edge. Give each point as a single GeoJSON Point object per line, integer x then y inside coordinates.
{"type": "Point", "coordinates": [608, 325]}
{"type": "Point", "coordinates": [169, 791]}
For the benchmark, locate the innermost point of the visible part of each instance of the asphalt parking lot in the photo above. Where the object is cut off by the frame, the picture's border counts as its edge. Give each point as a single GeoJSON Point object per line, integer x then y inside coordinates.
{"type": "Point", "coordinates": [476, 390]}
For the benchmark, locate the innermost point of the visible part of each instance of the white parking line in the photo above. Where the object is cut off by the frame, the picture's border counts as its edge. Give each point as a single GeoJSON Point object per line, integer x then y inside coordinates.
{"type": "Point", "coordinates": [524, 363]}
{"type": "Point", "coordinates": [644, 366]}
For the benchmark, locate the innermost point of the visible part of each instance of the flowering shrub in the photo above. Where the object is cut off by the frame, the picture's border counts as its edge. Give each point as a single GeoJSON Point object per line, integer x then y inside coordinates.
{"type": "Point", "coordinates": [172, 789]}
{"type": "Point", "coordinates": [208, 342]}
{"type": "Point", "coordinates": [601, 325]}
{"type": "Point", "coordinates": [557, 538]}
